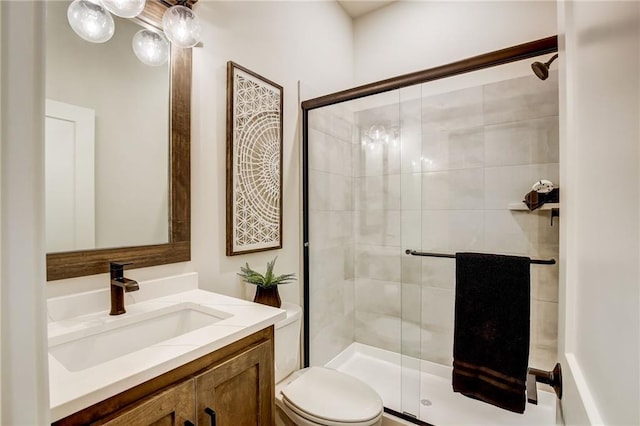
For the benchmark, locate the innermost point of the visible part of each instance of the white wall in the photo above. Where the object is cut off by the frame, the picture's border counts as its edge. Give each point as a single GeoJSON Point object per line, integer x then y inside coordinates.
{"type": "Point", "coordinates": [410, 36]}
{"type": "Point", "coordinates": [25, 396]}
{"type": "Point", "coordinates": [284, 42]}
{"type": "Point", "coordinates": [600, 163]}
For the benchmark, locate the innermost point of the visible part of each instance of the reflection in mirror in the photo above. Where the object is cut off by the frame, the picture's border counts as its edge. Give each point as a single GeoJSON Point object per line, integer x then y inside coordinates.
{"type": "Point", "coordinates": [107, 140]}
{"type": "Point", "coordinates": [173, 158]}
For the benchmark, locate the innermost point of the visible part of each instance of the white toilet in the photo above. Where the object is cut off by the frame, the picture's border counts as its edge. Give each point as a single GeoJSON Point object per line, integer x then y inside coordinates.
{"type": "Point", "coordinates": [317, 395]}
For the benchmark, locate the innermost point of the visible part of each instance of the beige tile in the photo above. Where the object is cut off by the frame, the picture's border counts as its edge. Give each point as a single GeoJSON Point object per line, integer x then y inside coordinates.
{"type": "Point", "coordinates": [349, 262]}
{"type": "Point", "coordinates": [437, 309]}
{"type": "Point", "coordinates": [522, 142]}
{"type": "Point", "coordinates": [371, 160]}
{"type": "Point", "coordinates": [437, 346]}
{"type": "Point", "coordinates": [439, 273]}
{"type": "Point", "coordinates": [452, 230]}
{"type": "Point", "coordinates": [378, 330]}
{"type": "Point", "coordinates": [411, 229]}
{"type": "Point", "coordinates": [319, 120]}
{"type": "Point", "coordinates": [411, 191]}
{"type": "Point", "coordinates": [509, 184]}
{"type": "Point", "coordinates": [411, 151]}
{"type": "Point", "coordinates": [330, 228]}
{"type": "Point", "coordinates": [356, 161]}
{"type": "Point", "coordinates": [507, 232]}
{"type": "Point", "coordinates": [340, 158]}
{"type": "Point", "coordinates": [453, 149]}
{"type": "Point", "coordinates": [410, 343]}
{"type": "Point", "coordinates": [453, 190]}
{"type": "Point", "coordinates": [377, 192]}
{"type": "Point", "coordinates": [519, 99]}
{"type": "Point", "coordinates": [546, 327]}
{"type": "Point", "coordinates": [411, 308]}
{"type": "Point", "coordinates": [340, 192]}
{"type": "Point", "coordinates": [318, 152]}
{"type": "Point", "coordinates": [543, 358]}
{"type": "Point", "coordinates": [378, 227]}
{"type": "Point", "coordinates": [544, 282]}
{"type": "Point", "coordinates": [349, 297]}
{"type": "Point", "coordinates": [340, 126]}
{"type": "Point", "coordinates": [326, 304]}
{"type": "Point", "coordinates": [378, 262]}
{"type": "Point", "coordinates": [378, 297]}
{"type": "Point", "coordinates": [411, 269]}
{"type": "Point", "coordinates": [331, 339]}
{"type": "Point", "coordinates": [454, 110]}
{"type": "Point", "coordinates": [326, 266]}
{"type": "Point", "coordinates": [319, 190]}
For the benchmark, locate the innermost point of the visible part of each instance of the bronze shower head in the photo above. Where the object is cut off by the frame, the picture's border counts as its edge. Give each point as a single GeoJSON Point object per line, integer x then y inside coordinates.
{"type": "Point", "coordinates": [542, 70]}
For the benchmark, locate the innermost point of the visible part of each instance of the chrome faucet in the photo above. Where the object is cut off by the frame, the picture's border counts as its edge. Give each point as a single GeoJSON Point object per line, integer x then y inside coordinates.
{"type": "Point", "coordinates": [120, 285]}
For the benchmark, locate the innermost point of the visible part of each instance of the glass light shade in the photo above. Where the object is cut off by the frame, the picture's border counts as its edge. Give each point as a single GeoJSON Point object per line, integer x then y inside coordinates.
{"type": "Point", "coordinates": [150, 47]}
{"type": "Point", "coordinates": [378, 133]}
{"type": "Point", "coordinates": [90, 21]}
{"type": "Point", "coordinates": [125, 8]}
{"type": "Point", "coordinates": [181, 26]}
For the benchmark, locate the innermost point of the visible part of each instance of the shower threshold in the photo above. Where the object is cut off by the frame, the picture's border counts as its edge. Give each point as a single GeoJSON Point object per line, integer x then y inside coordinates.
{"type": "Point", "coordinates": [425, 389]}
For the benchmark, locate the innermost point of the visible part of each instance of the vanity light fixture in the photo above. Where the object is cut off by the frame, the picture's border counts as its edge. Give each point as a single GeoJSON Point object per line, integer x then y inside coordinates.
{"type": "Point", "coordinates": [150, 47]}
{"type": "Point", "coordinates": [125, 8]}
{"type": "Point", "coordinates": [90, 20]}
{"type": "Point", "coordinates": [181, 26]}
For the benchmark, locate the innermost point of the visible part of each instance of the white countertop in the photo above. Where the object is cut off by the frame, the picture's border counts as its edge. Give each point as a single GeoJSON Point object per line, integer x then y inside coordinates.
{"type": "Point", "coordinates": [72, 391]}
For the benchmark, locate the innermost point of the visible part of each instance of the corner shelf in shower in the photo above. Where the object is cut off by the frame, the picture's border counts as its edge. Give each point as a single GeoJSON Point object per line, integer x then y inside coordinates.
{"type": "Point", "coordinates": [523, 206]}
{"type": "Point", "coordinates": [554, 208]}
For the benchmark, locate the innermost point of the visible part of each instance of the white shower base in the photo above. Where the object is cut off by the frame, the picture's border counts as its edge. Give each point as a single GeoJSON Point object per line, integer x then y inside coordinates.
{"type": "Point", "coordinates": [428, 390]}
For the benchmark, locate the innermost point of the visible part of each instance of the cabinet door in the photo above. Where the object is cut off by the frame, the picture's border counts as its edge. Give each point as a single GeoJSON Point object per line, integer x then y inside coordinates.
{"type": "Point", "coordinates": [239, 391]}
{"type": "Point", "coordinates": [172, 407]}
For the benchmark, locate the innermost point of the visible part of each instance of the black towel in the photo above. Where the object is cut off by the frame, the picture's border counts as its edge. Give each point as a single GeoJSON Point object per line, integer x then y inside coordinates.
{"type": "Point", "coordinates": [535, 200]}
{"type": "Point", "coordinates": [491, 329]}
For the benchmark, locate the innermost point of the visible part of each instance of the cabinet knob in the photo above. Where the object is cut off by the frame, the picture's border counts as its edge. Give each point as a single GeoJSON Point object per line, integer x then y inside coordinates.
{"type": "Point", "coordinates": [211, 414]}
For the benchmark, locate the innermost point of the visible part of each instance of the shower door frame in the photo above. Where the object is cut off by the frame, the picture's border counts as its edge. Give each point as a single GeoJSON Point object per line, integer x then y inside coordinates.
{"type": "Point", "coordinates": [487, 60]}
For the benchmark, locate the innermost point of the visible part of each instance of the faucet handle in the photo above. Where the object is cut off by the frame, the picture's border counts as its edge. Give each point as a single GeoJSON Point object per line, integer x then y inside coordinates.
{"type": "Point", "coordinates": [117, 268]}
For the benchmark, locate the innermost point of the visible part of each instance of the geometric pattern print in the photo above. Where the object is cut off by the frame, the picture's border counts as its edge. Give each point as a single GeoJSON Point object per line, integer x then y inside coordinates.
{"type": "Point", "coordinates": [256, 168]}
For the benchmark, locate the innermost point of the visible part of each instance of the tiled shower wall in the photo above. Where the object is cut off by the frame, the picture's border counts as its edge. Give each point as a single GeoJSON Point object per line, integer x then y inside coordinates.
{"type": "Point", "coordinates": [460, 159]}
{"type": "Point", "coordinates": [331, 248]}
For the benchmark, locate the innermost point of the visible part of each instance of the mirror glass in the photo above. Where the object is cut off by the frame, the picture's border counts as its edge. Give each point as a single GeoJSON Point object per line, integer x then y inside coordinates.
{"type": "Point", "coordinates": [106, 138]}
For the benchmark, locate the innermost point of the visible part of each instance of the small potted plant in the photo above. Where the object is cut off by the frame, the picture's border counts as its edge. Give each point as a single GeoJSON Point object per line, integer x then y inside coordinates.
{"type": "Point", "coordinates": [267, 284]}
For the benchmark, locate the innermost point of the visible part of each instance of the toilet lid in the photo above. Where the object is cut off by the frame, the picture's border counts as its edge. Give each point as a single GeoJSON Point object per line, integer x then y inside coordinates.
{"type": "Point", "coordinates": [326, 394]}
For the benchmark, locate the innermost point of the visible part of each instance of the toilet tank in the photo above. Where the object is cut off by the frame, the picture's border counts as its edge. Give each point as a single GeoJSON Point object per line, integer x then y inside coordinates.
{"type": "Point", "coordinates": [287, 342]}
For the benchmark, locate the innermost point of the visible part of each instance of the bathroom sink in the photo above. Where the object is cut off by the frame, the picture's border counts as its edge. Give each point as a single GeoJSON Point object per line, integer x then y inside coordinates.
{"type": "Point", "coordinates": [125, 335]}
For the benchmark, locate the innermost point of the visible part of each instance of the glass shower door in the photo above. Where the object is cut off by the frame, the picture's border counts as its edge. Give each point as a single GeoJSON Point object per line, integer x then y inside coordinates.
{"type": "Point", "coordinates": [364, 189]}
{"type": "Point", "coordinates": [410, 145]}
{"type": "Point", "coordinates": [377, 217]}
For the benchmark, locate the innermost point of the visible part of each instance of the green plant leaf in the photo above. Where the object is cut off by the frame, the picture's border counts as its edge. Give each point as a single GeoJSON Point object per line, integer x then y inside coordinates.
{"type": "Point", "coordinates": [269, 279]}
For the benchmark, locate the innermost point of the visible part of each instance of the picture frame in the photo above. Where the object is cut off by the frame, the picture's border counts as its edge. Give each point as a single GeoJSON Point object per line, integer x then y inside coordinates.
{"type": "Point", "coordinates": [254, 162]}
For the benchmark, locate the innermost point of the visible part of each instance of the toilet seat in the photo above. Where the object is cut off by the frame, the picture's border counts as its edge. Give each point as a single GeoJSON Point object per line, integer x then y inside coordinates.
{"type": "Point", "coordinates": [327, 397]}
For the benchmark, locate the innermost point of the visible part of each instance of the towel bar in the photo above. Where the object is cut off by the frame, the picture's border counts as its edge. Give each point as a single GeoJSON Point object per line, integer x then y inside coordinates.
{"type": "Point", "coordinates": [453, 256]}
{"type": "Point", "coordinates": [552, 378]}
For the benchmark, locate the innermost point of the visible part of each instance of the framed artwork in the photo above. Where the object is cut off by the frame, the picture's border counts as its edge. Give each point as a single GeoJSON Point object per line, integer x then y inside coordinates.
{"type": "Point", "coordinates": [254, 162]}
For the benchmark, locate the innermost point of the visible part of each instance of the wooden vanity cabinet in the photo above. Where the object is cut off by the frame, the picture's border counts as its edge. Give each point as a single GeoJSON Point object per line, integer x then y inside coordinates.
{"type": "Point", "coordinates": [171, 407]}
{"type": "Point", "coordinates": [238, 392]}
{"type": "Point", "coordinates": [233, 386]}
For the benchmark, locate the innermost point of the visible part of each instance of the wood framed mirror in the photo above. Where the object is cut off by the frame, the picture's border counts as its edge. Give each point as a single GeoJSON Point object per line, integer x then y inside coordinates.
{"type": "Point", "coordinates": [78, 263]}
